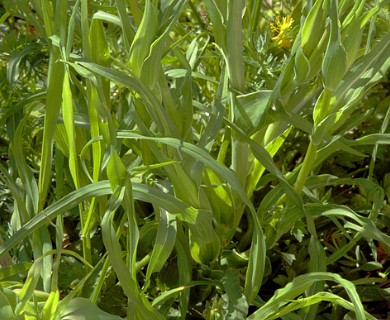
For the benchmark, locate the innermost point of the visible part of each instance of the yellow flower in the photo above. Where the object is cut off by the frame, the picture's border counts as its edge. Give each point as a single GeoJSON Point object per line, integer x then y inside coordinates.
{"type": "Point", "coordinates": [282, 29]}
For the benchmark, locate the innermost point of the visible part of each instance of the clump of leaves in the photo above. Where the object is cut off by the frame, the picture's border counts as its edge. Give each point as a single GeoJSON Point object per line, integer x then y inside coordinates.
{"type": "Point", "coordinates": [155, 158]}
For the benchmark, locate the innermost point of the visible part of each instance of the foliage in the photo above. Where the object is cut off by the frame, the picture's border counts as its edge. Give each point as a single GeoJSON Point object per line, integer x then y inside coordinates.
{"type": "Point", "coordinates": [194, 159]}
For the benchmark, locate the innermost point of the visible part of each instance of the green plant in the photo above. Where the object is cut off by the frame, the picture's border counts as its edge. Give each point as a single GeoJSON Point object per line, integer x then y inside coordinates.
{"type": "Point", "coordinates": [171, 149]}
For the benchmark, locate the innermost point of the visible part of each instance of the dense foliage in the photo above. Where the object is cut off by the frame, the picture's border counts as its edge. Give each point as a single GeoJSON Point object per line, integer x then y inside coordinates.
{"type": "Point", "coordinates": [187, 159]}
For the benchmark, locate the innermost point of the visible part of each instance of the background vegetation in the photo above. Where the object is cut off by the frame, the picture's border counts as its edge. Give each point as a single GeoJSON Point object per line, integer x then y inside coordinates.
{"type": "Point", "coordinates": [178, 159]}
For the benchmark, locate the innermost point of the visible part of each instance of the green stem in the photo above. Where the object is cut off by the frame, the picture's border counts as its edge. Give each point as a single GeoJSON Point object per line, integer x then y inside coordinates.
{"type": "Point", "coordinates": [306, 167]}
{"type": "Point", "coordinates": [235, 67]}
{"type": "Point", "coordinates": [86, 240]}
{"type": "Point", "coordinates": [234, 48]}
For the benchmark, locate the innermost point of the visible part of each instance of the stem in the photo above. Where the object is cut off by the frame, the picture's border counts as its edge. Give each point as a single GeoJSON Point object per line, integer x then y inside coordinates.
{"type": "Point", "coordinates": [234, 48]}
{"type": "Point", "coordinates": [306, 167]}
{"type": "Point", "coordinates": [323, 105]}
{"type": "Point", "coordinates": [240, 159]}
{"type": "Point", "coordinates": [235, 67]}
{"type": "Point", "coordinates": [86, 240]}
